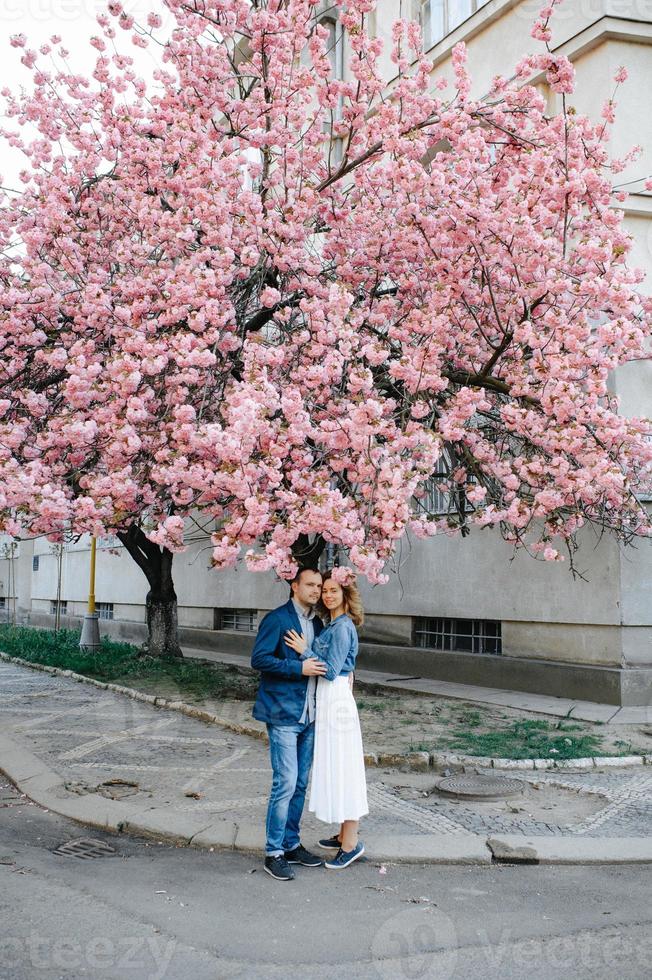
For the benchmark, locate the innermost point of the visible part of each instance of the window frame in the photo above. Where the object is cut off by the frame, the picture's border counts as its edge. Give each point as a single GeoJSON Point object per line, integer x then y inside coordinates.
{"type": "Point", "coordinates": [104, 607]}
{"type": "Point", "coordinates": [227, 618]}
{"type": "Point", "coordinates": [437, 502]}
{"type": "Point", "coordinates": [451, 634]}
{"type": "Point", "coordinates": [429, 38]}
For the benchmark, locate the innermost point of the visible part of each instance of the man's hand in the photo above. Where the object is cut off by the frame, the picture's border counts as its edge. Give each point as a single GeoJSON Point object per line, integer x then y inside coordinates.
{"type": "Point", "coordinates": [311, 667]}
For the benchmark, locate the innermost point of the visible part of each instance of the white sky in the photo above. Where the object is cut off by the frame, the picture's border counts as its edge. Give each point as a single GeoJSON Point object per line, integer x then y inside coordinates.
{"type": "Point", "coordinates": [74, 21]}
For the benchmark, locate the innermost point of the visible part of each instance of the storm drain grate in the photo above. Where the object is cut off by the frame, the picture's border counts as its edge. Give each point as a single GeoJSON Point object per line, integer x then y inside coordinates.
{"type": "Point", "coordinates": [85, 848]}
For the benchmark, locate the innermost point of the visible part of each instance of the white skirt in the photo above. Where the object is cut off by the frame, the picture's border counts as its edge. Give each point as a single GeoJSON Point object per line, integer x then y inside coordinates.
{"type": "Point", "coordinates": [338, 790]}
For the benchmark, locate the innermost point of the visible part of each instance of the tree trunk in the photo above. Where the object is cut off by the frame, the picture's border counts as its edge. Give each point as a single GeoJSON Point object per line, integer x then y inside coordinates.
{"type": "Point", "coordinates": [161, 602]}
{"type": "Point", "coordinates": [162, 625]}
{"type": "Point", "coordinates": [306, 552]}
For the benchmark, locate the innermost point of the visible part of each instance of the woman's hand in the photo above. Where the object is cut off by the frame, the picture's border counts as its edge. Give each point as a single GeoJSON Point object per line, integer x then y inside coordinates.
{"type": "Point", "coordinates": [296, 641]}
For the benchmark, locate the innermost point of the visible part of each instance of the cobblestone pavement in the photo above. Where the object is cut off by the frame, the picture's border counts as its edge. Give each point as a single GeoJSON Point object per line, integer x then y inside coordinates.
{"type": "Point", "coordinates": [90, 736]}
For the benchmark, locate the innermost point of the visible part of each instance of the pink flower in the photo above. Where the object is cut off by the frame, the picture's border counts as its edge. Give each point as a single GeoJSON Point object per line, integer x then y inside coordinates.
{"type": "Point", "coordinates": [343, 575]}
{"type": "Point", "coordinates": [438, 333]}
{"type": "Point", "coordinates": [269, 297]}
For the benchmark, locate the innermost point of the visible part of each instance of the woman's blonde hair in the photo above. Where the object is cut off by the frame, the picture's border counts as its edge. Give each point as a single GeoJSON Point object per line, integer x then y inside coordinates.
{"type": "Point", "coordinates": [352, 600]}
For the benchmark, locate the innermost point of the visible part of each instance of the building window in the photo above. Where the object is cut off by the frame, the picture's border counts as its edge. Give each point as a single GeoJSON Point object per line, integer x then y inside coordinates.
{"type": "Point", "coordinates": [458, 635]}
{"type": "Point", "coordinates": [35, 563]}
{"type": "Point", "coordinates": [334, 47]}
{"type": "Point", "coordinates": [335, 52]}
{"type": "Point", "coordinates": [437, 499]}
{"type": "Point", "coordinates": [3, 602]}
{"type": "Point", "coordinates": [439, 17]}
{"type": "Point", "coordinates": [63, 607]}
{"type": "Point", "coordinates": [104, 610]}
{"type": "Point", "coordinates": [242, 620]}
{"type": "Point", "coordinates": [109, 541]}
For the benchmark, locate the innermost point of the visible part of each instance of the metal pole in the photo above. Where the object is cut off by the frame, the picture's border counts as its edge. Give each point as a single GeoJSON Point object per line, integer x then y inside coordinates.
{"type": "Point", "coordinates": [57, 615]}
{"type": "Point", "coordinates": [12, 577]}
{"type": "Point", "coordinates": [91, 590]}
{"type": "Point", "coordinates": [90, 634]}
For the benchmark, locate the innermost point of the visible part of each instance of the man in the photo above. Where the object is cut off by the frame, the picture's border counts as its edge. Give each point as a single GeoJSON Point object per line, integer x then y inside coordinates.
{"type": "Point", "coordinates": [283, 702]}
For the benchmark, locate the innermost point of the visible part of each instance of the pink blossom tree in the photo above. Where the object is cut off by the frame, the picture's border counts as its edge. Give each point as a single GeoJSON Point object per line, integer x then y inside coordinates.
{"type": "Point", "coordinates": [255, 292]}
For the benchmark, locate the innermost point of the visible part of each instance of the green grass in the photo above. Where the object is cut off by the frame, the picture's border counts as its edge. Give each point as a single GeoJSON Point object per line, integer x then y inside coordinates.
{"type": "Point", "coordinates": [370, 706]}
{"type": "Point", "coordinates": [529, 739]}
{"type": "Point", "coordinates": [123, 663]}
{"type": "Point", "coordinates": [472, 718]}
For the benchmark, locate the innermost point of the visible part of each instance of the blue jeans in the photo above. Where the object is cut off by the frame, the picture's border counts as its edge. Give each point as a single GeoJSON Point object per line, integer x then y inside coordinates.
{"type": "Point", "coordinates": [290, 750]}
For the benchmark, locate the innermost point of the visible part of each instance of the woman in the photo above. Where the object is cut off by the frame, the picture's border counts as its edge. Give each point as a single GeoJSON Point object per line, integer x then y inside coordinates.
{"type": "Point", "coordinates": [338, 792]}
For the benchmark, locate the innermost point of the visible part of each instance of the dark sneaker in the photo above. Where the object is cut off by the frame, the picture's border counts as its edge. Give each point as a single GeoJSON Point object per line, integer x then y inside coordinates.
{"type": "Point", "coordinates": [344, 858]}
{"type": "Point", "coordinates": [278, 868]}
{"type": "Point", "coordinates": [301, 856]}
{"type": "Point", "coordinates": [330, 843]}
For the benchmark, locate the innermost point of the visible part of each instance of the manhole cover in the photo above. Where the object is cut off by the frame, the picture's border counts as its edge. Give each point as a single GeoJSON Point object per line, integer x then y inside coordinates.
{"type": "Point", "coordinates": [85, 848]}
{"type": "Point", "coordinates": [480, 787]}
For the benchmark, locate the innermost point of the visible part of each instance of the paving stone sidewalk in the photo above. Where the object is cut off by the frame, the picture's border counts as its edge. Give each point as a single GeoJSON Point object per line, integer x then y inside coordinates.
{"type": "Point", "coordinates": [195, 775]}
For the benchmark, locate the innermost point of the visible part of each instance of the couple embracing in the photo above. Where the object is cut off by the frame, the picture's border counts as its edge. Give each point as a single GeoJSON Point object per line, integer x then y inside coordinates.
{"type": "Point", "coordinates": [306, 651]}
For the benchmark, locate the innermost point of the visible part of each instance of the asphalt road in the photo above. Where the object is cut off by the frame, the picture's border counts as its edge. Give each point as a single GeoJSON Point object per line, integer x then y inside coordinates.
{"type": "Point", "coordinates": [156, 912]}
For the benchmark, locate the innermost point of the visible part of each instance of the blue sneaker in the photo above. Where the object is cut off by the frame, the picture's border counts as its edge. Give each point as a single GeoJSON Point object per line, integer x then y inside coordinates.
{"type": "Point", "coordinates": [344, 858]}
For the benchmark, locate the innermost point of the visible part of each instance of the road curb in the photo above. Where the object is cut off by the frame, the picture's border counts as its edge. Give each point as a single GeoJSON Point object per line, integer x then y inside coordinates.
{"type": "Point", "coordinates": [413, 761]}
{"type": "Point", "coordinates": [33, 778]}
{"type": "Point", "coordinates": [517, 849]}
{"type": "Point", "coordinates": [44, 786]}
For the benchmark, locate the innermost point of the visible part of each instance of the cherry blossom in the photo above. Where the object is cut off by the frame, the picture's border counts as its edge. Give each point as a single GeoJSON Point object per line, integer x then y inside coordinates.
{"type": "Point", "coordinates": [282, 303]}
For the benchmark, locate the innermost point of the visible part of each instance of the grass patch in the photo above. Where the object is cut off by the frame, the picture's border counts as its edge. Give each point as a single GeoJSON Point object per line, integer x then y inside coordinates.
{"type": "Point", "coordinates": [529, 739]}
{"type": "Point", "coordinates": [124, 663]}
{"type": "Point", "coordinates": [472, 719]}
{"type": "Point", "coordinates": [370, 706]}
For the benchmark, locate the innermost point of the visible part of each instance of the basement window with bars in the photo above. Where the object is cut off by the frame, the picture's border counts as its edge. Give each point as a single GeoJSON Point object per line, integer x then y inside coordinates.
{"type": "Point", "coordinates": [63, 607]}
{"type": "Point", "coordinates": [241, 620]}
{"type": "Point", "coordinates": [457, 635]}
{"type": "Point", "coordinates": [104, 610]}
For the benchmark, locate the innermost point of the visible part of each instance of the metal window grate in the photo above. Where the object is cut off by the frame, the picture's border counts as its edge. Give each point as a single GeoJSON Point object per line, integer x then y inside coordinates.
{"type": "Point", "coordinates": [35, 563]}
{"type": "Point", "coordinates": [436, 499]}
{"type": "Point", "coordinates": [63, 607]}
{"type": "Point", "coordinates": [241, 620]}
{"type": "Point", "coordinates": [458, 635]}
{"type": "Point", "coordinates": [104, 610]}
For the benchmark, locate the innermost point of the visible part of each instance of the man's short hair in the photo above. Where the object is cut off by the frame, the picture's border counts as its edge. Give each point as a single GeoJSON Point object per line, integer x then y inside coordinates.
{"type": "Point", "coordinates": [305, 568]}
